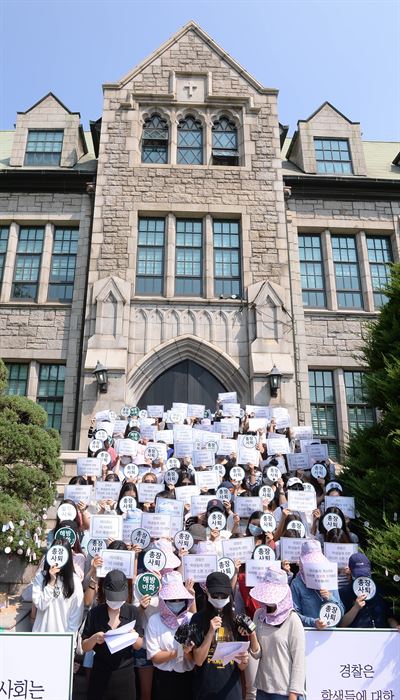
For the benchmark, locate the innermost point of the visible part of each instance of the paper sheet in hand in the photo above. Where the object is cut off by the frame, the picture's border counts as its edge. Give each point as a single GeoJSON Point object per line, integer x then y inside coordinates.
{"type": "Point", "coordinates": [121, 637]}
{"type": "Point", "coordinates": [228, 651]}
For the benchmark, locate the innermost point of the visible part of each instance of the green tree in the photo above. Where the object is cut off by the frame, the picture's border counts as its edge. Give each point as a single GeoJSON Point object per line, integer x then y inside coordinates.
{"type": "Point", "coordinates": [29, 466]}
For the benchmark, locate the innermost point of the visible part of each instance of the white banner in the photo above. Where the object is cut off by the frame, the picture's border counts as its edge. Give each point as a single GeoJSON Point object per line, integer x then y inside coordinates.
{"type": "Point", "coordinates": [198, 566]}
{"type": "Point", "coordinates": [317, 453]}
{"type": "Point", "coordinates": [88, 466]}
{"type": "Point", "coordinates": [321, 575]}
{"type": "Point", "coordinates": [207, 480]}
{"type": "Point", "coordinates": [130, 524]}
{"type": "Point", "coordinates": [185, 493]}
{"type": "Point", "coordinates": [147, 492]}
{"type": "Point", "coordinates": [105, 527]}
{"type": "Point", "coordinates": [303, 501]}
{"type": "Point", "coordinates": [340, 553]}
{"type": "Point", "coordinates": [157, 524]}
{"type": "Point", "coordinates": [107, 490]}
{"type": "Point", "coordinates": [290, 548]}
{"type": "Point", "coordinates": [256, 568]}
{"type": "Point", "coordinates": [278, 446]}
{"type": "Point", "coordinates": [345, 503]}
{"type": "Point", "coordinates": [302, 432]}
{"type": "Point", "coordinates": [226, 446]}
{"type": "Point", "coordinates": [238, 548]}
{"type": "Point", "coordinates": [166, 436]}
{"type": "Point", "coordinates": [259, 411]}
{"type": "Point", "coordinates": [183, 449]}
{"type": "Point", "coordinates": [116, 559]}
{"type": "Point", "coordinates": [297, 460]}
{"type": "Point", "coordinates": [246, 505]}
{"type": "Point", "coordinates": [248, 455]}
{"type": "Point", "coordinates": [203, 458]}
{"type": "Point", "coordinates": [126, 447]}
{"type": "Point", "coordinates": [195, 410]}
{"type": "Point", "coordinates": [155, 411]}
{"type": "Point", "coordinates": [227, 396]}
{"type": "Point", "coordinates": [199, 504]}
{"type": "Point", "coordinates": [76, 493]}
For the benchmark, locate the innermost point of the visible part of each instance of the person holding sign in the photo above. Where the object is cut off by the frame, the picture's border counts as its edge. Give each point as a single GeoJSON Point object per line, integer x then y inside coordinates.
{"type": "Point", "coordinates": [280, 644]}
{"type": "Point", "coordinates": [113, 673]}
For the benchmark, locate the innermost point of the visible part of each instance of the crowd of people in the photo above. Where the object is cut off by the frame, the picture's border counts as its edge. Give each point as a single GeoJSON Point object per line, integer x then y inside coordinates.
{"type": "Point", "coordinates": [193, 547]}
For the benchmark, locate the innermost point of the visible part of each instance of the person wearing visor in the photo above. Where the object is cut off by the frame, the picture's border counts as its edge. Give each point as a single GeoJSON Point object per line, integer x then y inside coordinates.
{"type": "Point", "coordinates": [113, 675]}
{"type": "Point", "coordinates": [280, 644]}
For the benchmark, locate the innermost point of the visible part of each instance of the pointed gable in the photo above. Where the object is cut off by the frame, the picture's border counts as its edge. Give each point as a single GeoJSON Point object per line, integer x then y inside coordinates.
{"type": "Point", "coordinates": [49, 103]}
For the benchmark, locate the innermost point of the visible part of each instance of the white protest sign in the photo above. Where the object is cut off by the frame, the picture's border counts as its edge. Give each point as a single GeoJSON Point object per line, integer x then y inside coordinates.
{"type": "Point", "coordinates": [57, 555]}
{"type": "Point", "coordinates": [330, 613]}
{"type": "Point", "coordinates": [127, 503]}
{"type": "Point", "coordinates": [216, 520]}
{"type": "Point", "coordinates": [267, 493]}
{"type": "Point", "coordinates": [130, 525]}
{"type": "Point", "coordinates": [106, 527]}
{"type": "Point", "coordinates": [364, 585]}
{"type": "Point", "coordinates": [182, 433]}
{"type": "Point", "coordinates": [103, 416]}
{"type": "Point", "coordinates": [340, 552]}
{"type": "Point", "coordinates": [183, 540]}
{"type": "Point", "coordinates": [157, 524]}
{"type": "Point", "coordinates": [119, 428]}
{"type": "Point", "coordinates": [147, 492]}
{"type": "Point", "coordinates": [231, 409]}
{"type": "Point", "coordinates": [77, 493]}
{"type": "Point", "coordinates": [126, 447]}
{"type": "Point", "coordinates": [198, 566]}
{"type": "Point", "coordinates": [332, 520]}
{"type": "Point", "coordinates": [223, 494]}
{"type": "Point", "coordinates": [183, 449]}
{"type": "Point", "coordinates": [116, 559]}
{"type": "Point", "coordinates": [246, 505]}
{"type": "Point", "coordinates": [88, 466]}
{"type": "Point", "coordinates": [101, 435]}
{"type": "Point", "coordinates": [125, 411]}
{"type": "Point", "coordinates": [247, 441]}
{"type": "Point", "coordinates": [152, 452]}
{"type": "Point", "coordinates": [148, 432]}
{"type": "Point", "coordinates": [318, 471]}
{"type": "Point", "coordinates": [238, 548]}
{"type": "Point", "coordinates": [66, 511]}
{"type": "Point", "coordinates": [171, 477]}
{"type": "Point", "coordinates": [185, 493]}
{"type": "Point", "coordinates": [154, 560]}
{"type": "Point", "coordinates": [357, 663]}
{"type": "Point", "coordinates": [104, 457]}
{"type": "Point", "coordinates": [268, 522]}
{"type": "Point", "coordinates": [276, 446]}
{"type": "Point", "coordinates": [166, 436]}
{"type": "Point", "coordinates": [302, 432]}
{"type": "Point", "coordinates": [28, 651]}
{"type": "Point", "coordinates": [226, 446]}
{"type": "Point", "coordinates": [257, 424]}
{"type": "Point", "coordinates": [345, 503]}
{"type": "Point", "coordinates": [224, 427]}
{"type": "Point", "coordinates": [303, 501]}
{"type": "Point", "coordinates": [94, 547]}
{"type": "Point", "coordinates": [259, 411]}
{"type": "Point", "coordinates": [195, 410]}
{"type": "Point", "coordinates": [173, 463]}
{"type": "Point", "coordinates": [227, 566]}
{"type": "Point", "coordinates": [248, 455]}
{"type": "Point", "coordinates": [107, 490]}
{"type": "Point", "coordinates": [290, 548]}
{"type": "Point", "coordinates": [273, 473]}
{"type": "Point", "coordinates": [317, 453]}
{"type": "Point", "coordinates": [298, 526]}
{"type": "Point", "coordinates": [203, 458]}
{"type": "Point", "coordinates": [321, 575]}
{"type": "Point", "coordinates": [256, 570]}
{"type": "Point", "coordinates": [298, 460]}
{"type": "Point", "coordinates": [264, 553]}
{"type": "Point", "coordinates": [237, 474]}
{"type": "Point", "coordinates": [170, 506]}
{"type": "Point", "coordinates": [207, 479]}
{"type": "Point", "coordinates": [131, 471]}
{"type": "Point", "coordinates": [228, 396]}
{"type": "Point", "coordinates": [219, 469]}
{"type": "Point", "coordinates": [155, 411]}
{"type": "Point", "coordinates": [198, 504]}
{"type": "Point", "coordinates": [95, 445]}
{"type": "Point", "coordinates": [140, 537]}
{"type": "Point", "coordinates": [181, 408]}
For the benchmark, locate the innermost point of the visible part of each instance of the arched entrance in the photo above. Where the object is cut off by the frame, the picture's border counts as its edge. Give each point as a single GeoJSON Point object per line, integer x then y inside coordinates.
{"type": "Point", "coordinates": [185, 382]}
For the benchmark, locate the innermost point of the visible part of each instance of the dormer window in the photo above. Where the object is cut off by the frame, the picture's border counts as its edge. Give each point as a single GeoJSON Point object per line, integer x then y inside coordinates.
{"type": "Point", "coordinates": [155, 140]}
{"type": "Point", "coordinates": [224, 142]}
{"type": "Point", "coordinates": [333, 156]}
{"type": "Point", "coordinates": [44, 147]}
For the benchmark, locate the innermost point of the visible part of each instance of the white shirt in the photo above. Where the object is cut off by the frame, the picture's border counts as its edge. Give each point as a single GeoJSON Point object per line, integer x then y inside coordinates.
{"type": "Point", "coordinates": [56, 613]}
{"type": "Point", "coordinates": [159, 637]}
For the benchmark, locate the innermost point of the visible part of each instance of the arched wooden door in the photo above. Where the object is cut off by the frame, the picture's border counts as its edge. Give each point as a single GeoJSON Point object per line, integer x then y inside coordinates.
{"type": "Point", "coordinates": [185, 382]}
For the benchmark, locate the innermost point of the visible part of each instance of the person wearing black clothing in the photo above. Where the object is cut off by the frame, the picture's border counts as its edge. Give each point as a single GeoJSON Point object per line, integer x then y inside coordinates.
{"type": "Point", "coordinates": [113, 675]}
{"type": "Point", "coordinates": [212, 680]}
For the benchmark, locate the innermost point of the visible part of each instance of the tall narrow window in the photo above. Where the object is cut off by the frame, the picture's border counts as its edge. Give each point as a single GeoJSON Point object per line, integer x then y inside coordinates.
{"type": "Point", "coordinates": [155, 140]}
{"type": "Point", "coordinates": [188, 252]}
{"type": "Point", "coordinates": [348, 284]}
{"type": "Point", "coordinates": [360, 414]}
{"type": "Point", "coordinates": [224, 142]}
{"type": "Point", "coordinates": [379, 256]}
{"type": "Point", "coordinates": [27, 263]}
{"type": "Point", "coordinates": [150, 256]}
{"type": "Point", "coordinates": [17, 378]}
{"type": "Point", "coordinates": [63, 261]}
{"type": "Point", "coordinates": [323, 409]}
{"type": "Point", "coordinates": [44, 147]}
{"type": "Point", "coordinates": [312, 271]}
{"type": "Point", "coordinates": [4, 230]}
{"type": "Point", "coordinates": [51, 392]}
{"type": "Point", "coordinates": [190, 141]}
{"type": "Point", "coordinates": [227, 280]}
{"type": "Point", "coordinates": [333, 156]}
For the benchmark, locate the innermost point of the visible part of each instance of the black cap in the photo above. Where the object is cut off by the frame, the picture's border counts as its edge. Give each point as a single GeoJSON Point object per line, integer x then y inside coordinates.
{"type": "Point", "coordinates": [217, 582]}
{"type": "Point", "coordinates": [115, 585]}
{"type": "Point", "coordinates": [215, 504]}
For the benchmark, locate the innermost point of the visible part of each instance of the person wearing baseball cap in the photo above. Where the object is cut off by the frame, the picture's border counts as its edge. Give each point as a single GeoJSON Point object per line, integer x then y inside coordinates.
{"type": "Point", "coordinates": [112, 675]}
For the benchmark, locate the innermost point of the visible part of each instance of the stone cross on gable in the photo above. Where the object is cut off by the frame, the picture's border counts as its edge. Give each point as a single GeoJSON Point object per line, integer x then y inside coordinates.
{"type": "Point", "coordinates": [190, 87]}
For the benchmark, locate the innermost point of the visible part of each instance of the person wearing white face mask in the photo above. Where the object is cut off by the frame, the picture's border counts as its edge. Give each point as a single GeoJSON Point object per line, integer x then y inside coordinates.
{"type": "Point", "coordinates": [113, 675]}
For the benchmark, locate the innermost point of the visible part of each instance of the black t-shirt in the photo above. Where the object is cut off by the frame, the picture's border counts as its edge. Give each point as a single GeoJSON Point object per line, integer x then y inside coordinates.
{"type": "Point", "coordinates": [374, 613]}
{"type": "Point", "coordinates": [97, 621]}
{"type": "Point", "coordinates": [212, 681]}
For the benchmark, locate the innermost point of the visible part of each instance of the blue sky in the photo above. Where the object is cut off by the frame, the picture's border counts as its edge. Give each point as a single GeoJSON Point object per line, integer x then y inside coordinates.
{"type": "Point", "coordinates": [344, 51]}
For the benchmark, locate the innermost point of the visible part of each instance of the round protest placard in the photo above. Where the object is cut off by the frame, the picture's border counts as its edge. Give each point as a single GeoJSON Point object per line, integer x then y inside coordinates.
{"type": "Point", "coordinates": [134, 411]}
{"type": "Point", "coordinates": [101, 435]}
{"type": "Point", "coordinates": [134, 435]}
{"type": "Point", "coordinates": [66, 533]}
{"type": "Point", "coordinates": [127, 503]}
{"type": "Point", "coordinates": [176, 417]}
{"type": "Point", "coordinates": [237, 474]}
{"type": "Point", "coordinates": [125, 412]}
{"type": "Point", "coordinates": [131, 471]}
{"type": "Point", "coordinates": [212, 445]}
{"type": "Point", "coordinates": [95, 546]}
{"type": "Point", "coordinates": [318, 471]}
{"type": "Point", "coordinates": [364, 585]}
{"type": "Point", "coordinates": [216, 520]}
{"type": "Point", "coordinates": [227, 566]}
{"type": "Point", "coordinates": [140, 537]}
{"type": "Point", "coordinates": [154, 560]}
{"type": "Point", "coordinates": [219, 468]}
{"type": "Point", "coordinates": [95, 445]}
{"type": "Point", "coordinates": [308, 487]}
{"type": "Point", "coordinates": [134, 423]}
{"type": "Point", "coordinates": [268, 522]}
{"type": "Point", "coordinates": [266, 492]}
{"type": "Point", "coordinates": [330, 613]}
{"type": "Point", "coordinates": [147, 584]}
{"type": "Point", "coordinates": [298, 526]}
{"type": "Point", "coordinates": [143, 413]}
{"type": "Point", "coordinates": [171, 477]}
{"type": "Point", "coordinates": [57, 555]}
{"type": "Point", "coordinates": [249, 441]}
{"type": "Point", "coordinates": [173, 463]}
{"type": "Point", "coordinates": [331, 520]}
{"type": "Point", "coordinates": [151, 453]}
{"type": "Point", "coordinates": [264, 553]}
{"type": "Point", "coordinates": [66, 511]}
{"type": "Point", "coordinates": [223, 494]}
{"type": "Point", "coordinates": [104, 457]}
{"type": "Point", "coordinates": [183, 540]}
{"type": "Point", "coordinates": [333, 485]}
{"type": "Point", "coordinates": [273, 473]}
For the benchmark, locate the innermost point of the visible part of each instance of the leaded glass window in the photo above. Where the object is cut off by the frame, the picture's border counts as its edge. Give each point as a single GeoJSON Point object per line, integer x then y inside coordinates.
{"type": "Point", "coordinates": [312, 270]}
{"type": "Point", "coordinates": [17, 378]}
{"type": "Point", "coordinates": [379, 256]}
{"type": "Point", "coordinates": [27, 263]}
{"type": "Point", "coordinates": [323, 409]}
{"type": "Point", "coordinates": [227, 272]}
{"type": "Point", "coordinates": [4, 231]}
{"type": "Point", "coordinates": [224, 142]}
{"type": "Point", "coordinates": [155, 140]}
{"type": "Point", "coordinates": [63, 261]}
{"type": "Point", "coordinates": [348, 283]}
{"type": "Point", "coordinates": [333, 156]}
{"type": "Point", "coordinates": [188, 257]}
{"type": "Point", "coordinates": [44, 147]}
{"type": "Point", "coordinates": [150, 256]}
{"type": "Point", "coordinates": [360, 414]}
{"type": "Point", "coordinates": [190, 141]}
{"type": "Point", "coordinates": [51, 392]}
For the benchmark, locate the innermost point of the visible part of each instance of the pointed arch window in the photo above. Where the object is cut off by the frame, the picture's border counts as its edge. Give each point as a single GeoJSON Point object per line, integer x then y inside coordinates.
{"type": "Point", "coordinates": [190, 141]}
{"type": "Point", "coordinates": [224, 142]}
{"type": "Point", "coordinates": [155, 140]}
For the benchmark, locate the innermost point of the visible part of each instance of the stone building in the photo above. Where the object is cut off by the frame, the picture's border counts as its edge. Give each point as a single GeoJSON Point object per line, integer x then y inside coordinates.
{"type": "Point", "coordinates": [216, 247]}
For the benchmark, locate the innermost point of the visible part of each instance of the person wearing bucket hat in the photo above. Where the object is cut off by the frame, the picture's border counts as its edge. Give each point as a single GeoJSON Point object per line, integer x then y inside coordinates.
{"type": "Point", "coordinates": [173, 663]}
{"type": "Point", "coordinates": [112, 675]}
{"type": "Point", "coordinates": [280, 643]}
{"type": "Point", "coordinates": [308, 601]}
{"type": "Point", "coordinates": [217, 623]}
{"type": "Point", "coordinates": [172, 561]}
